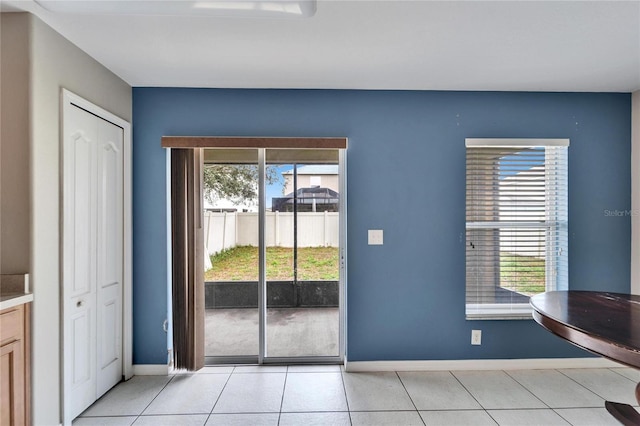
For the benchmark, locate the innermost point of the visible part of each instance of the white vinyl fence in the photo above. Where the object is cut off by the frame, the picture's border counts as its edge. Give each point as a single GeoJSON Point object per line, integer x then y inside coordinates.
{"type": "Point", "coordinates": [227, 230]}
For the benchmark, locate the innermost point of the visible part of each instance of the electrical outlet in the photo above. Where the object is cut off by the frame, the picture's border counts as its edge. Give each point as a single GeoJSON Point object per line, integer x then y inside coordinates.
{"type": "Point", "coordinates": [476, 337]}
{"type": "Point", "coordinates": [376, 237]}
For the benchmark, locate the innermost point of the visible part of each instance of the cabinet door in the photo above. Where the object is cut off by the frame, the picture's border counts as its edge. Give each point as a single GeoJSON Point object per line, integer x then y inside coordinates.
{"type": "Point", "coordinates": [12, 402]}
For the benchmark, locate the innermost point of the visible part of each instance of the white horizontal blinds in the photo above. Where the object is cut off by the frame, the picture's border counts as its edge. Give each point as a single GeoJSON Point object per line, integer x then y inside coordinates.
{"type": "Point", "coordinates": [557, 217]}
{"type": "Point", "coordinates": [516, 214]}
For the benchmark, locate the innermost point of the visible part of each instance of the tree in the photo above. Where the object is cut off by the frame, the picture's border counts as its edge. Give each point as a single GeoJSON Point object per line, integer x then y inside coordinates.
{"type": "Point", "coordinates": [235, 182]}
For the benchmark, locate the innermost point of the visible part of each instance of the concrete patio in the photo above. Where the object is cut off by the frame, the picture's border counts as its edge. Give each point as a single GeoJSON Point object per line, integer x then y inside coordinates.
{"type": "Point", "coordinates": [291, 332]}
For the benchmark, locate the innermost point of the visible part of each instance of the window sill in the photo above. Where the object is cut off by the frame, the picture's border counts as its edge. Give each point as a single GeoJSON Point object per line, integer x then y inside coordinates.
{"type": "Point", "coordinates": [497, 312]}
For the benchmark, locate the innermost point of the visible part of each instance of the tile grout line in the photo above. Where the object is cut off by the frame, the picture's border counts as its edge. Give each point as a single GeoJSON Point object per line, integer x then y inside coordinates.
{"type": "Point", "coordinates": [527, 389]}
{"type": "Point", "coordinates": [113, 389]}
{"type": "Point", "coordinates": [473, 396]}
{"type": "Point", "coordinates": [620, 374]}
{"type": "Point", "coordinates": [562, 417]}
{"type": "Point", "coordinates": [536, 396]}
{"type": "Point", "coordinates": [154, 398]}
{"type": "Point", "coordinates": [137, 416]}
{"type": "Point", "coordinates": [468, 391]}
{"type": "Point", "coordinates": [344, 389]}
{"type": "Point", "coordinates": [220, 395]}
{"type": "Point", "coordinates": [572, 407]}
{"type": "Point", "coordinates": [580, 384]}
{"type": "Point", "coordinates": [410, 399]}
{"type": "Point", "coordinates": [284, 388]}
{"type": "Point", "coordinates": [626, 377]}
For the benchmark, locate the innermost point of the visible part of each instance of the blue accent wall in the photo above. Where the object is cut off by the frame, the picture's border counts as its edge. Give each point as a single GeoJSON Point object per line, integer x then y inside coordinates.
{"type": "Point", "coordinates": [406, 175]}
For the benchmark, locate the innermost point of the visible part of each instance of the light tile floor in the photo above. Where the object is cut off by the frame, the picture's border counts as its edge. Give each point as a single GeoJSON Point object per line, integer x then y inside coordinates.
{"type": "Point", "coordinates": [327, 395]}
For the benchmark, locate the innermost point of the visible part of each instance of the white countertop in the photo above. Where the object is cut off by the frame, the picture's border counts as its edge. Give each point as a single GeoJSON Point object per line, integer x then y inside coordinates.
{"type": "Point", "coordinates": [10, 300]}
{"type": "Point", "coordinates": [14, 290]}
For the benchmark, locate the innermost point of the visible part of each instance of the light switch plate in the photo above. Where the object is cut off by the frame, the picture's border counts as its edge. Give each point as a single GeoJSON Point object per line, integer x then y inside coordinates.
{"type": "Point", "coordinates": [375, 237]}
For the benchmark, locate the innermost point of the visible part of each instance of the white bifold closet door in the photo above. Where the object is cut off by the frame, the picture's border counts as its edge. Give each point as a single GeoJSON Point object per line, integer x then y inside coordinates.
{"type": "Point", "coordinates": [92, 258]}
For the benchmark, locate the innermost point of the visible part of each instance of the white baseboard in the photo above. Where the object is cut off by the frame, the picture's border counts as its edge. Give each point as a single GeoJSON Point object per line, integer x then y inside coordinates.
{"type": "Point", "coordinates": [480, 364]}
{"type": "Point", "coordinates": [150, 370]}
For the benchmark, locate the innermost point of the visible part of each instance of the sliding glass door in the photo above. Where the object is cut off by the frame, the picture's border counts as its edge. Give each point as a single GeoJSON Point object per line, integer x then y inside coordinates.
{"type": "Point", "coordinates": [302, 226]}
{"type": "Point", "coordinates": [274, 234]}
{"type": "Point", "coordinates": [231, 234]}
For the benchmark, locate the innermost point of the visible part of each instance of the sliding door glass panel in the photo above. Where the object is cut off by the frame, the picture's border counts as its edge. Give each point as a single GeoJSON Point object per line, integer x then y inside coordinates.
{"type": "Point", "coordinates": [231, 255]}
{"type": "Point", "coordinates": [302, 246]}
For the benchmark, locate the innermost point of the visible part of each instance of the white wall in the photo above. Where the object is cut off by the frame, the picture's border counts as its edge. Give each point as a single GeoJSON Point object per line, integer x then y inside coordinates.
{"type": "Point", "coordinates": [55, 63]}
{"type": "Point", "coordinates": [635, 193]}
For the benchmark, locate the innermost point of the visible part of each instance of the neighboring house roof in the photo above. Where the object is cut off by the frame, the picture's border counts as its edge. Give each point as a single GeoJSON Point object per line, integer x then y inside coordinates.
{"type": "Point", "coordinates": [316, 169]}
{"type": "Point", "coordinates": [310, 197]}
{"type": "Point", "coordinates": [317, 193]}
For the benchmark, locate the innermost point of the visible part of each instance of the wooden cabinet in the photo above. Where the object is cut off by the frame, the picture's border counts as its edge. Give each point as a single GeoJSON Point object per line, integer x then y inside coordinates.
{"type": "Point", "coordinates": [14, 366]}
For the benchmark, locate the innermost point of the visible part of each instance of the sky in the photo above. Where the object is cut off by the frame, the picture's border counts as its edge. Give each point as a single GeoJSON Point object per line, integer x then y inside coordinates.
{"type": "Point", "coordinates": [275, 190]}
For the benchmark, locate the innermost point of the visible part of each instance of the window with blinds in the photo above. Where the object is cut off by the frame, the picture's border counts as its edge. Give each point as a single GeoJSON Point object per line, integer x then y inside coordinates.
{"type": "Point", "coordinates": [516, 224]}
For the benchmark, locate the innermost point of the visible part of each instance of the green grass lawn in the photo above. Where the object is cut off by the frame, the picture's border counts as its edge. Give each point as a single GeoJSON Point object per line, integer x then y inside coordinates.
{"type": "Point", "coordinates": [241, 264]}
{"type": "Point", "coordinates": [524, 274]}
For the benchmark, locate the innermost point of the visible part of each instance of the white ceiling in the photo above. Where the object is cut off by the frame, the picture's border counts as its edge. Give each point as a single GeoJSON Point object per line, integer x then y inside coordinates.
{"type": "Point", "coordinates": [427, 45]}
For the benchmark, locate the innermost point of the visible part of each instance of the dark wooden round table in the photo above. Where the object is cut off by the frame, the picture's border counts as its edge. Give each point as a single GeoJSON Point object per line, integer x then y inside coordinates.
{"type": "Point", "coordinates": [606, 324]}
